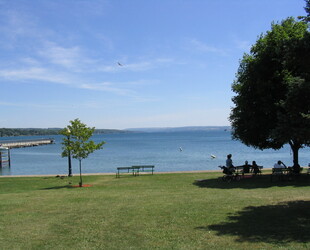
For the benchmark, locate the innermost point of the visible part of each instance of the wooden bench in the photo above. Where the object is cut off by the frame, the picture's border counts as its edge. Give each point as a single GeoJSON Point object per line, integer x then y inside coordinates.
{"type": "Point", "coordinates": [135, 170]}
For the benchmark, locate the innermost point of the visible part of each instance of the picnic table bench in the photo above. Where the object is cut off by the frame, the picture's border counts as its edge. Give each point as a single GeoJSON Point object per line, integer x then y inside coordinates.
{"type": "Point", "coordinates": [135, 170]}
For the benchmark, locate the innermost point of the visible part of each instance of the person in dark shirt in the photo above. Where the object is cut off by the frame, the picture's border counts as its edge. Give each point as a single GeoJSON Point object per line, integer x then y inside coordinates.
{"type": "Point", "coordinates": [246, 167]}
{"type": "Point", "coordinates": [256, 168]}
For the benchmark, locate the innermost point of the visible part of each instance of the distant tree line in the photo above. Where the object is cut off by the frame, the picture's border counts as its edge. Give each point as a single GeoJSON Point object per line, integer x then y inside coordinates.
{"type": "Point", "coordinates": [6, 132]}
{"type": "Point", "coordinates": [27, 131]}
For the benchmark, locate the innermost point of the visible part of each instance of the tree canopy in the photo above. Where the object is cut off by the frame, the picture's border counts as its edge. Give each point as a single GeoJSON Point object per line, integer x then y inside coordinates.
{"type": "Point", "coordinates": [272, 86]}
{"type": "Point", "coordinates": [307, 9]}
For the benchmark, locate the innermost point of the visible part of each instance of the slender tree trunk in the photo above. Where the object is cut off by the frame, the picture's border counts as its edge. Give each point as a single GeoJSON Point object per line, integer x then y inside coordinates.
{"type": "Point", "coordinates": [295, 148]}
{"type": "Point", "coordinates": [69, 164]}
{"type": "Point", "coordinates": [81, 181]}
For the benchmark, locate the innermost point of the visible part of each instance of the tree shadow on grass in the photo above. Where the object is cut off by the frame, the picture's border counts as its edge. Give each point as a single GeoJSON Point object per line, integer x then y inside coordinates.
{"type": "Point", "coordinates": [263, 181]}
{"type": "Point", "coordinates": [57, 187]}
{"type": "Point", "coordinates": [282, 223]}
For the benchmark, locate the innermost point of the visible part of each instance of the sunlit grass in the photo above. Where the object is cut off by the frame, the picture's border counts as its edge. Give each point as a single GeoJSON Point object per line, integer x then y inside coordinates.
{"type": "Point", "coordinates": [165, 211]}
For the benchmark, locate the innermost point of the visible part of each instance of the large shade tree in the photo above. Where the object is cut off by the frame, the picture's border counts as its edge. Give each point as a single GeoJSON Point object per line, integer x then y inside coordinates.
{"type": "Point", "coordinates": [272, 86]}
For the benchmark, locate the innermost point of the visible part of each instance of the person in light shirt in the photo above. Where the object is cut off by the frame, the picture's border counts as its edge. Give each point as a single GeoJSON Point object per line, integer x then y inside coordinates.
{"type": "Point", "coordinates": [229, 163]}
{"type": "Point", "coordinates": [279, 164]}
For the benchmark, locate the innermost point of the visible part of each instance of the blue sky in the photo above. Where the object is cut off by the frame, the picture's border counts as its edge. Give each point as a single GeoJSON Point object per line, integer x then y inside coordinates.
{"type": "Point", "coordinates": [59, 59]}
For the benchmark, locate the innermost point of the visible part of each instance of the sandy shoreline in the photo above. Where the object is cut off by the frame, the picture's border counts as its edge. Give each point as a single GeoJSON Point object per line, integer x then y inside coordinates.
{"type": "Point", "coordinates": [86, 174]}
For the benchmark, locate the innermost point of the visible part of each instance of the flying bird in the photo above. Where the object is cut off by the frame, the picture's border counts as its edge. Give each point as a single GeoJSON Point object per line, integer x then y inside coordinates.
{"type": "Point", "coordinates": [119, 64]}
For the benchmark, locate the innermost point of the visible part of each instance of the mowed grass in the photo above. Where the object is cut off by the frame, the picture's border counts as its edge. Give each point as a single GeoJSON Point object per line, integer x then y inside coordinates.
{"type": "Point", "coordinates": [163, 211]}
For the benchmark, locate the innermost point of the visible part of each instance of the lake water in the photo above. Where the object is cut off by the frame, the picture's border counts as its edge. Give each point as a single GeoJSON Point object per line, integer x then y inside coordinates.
{"type": "Point", "coordinates": [161, 149]}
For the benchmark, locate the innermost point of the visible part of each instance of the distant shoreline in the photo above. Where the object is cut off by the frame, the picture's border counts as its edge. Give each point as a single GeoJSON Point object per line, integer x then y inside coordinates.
{"type": "Point", "coordinates": [13, 132]}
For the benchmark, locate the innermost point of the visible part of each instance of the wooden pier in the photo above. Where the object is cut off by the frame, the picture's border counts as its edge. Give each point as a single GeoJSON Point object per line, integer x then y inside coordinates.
{"type": "Point", "coordinates": [6, 145]}
{"type": "Point", "coordinates": [26, 143]}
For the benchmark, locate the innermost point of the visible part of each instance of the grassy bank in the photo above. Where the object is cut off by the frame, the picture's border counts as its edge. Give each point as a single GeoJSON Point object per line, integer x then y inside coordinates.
{"type": "Point", "coordinates": [166, 211]}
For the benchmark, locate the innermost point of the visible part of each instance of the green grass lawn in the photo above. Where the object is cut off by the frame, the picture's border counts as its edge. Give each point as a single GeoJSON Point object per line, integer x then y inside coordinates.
{"type": "Point", "coordinates": [163, 211]}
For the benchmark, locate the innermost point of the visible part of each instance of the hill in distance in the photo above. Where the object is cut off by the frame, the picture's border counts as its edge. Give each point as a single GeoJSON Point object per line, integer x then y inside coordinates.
{"type": "Point", "coordinates": [180, 129]}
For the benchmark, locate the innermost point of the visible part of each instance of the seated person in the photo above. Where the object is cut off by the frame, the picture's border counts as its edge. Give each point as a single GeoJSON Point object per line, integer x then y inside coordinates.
{"type": "Point", "coordinates": [229, 164]}
{"type": "Point", "coordinates": [279, 164]}
{"type": "Point", "coordinates": [246, 167]}
{"type": "Point", "coordinates": [256, 168]}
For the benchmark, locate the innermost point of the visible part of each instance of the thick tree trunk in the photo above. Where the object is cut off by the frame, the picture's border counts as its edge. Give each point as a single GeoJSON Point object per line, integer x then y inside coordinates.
{"type": "Point", "coordinates": [295, 148]}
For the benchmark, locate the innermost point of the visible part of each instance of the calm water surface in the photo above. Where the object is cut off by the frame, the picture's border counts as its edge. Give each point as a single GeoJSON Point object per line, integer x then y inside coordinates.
{"type": "Point", "coordinates": [160, 149]}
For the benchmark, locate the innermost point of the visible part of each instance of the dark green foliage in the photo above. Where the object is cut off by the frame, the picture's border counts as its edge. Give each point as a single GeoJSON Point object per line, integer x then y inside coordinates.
{"type": "Point", "coordinates": [307, 9]}
{"type": "Point", "coordinates": [272, 104]}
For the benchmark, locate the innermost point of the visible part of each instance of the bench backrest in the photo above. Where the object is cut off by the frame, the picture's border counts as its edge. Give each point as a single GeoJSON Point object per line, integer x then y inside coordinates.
{"type": "Point", "coordinates": [144, 166]}
{"type": "Point", "coordinates": [120, 168]}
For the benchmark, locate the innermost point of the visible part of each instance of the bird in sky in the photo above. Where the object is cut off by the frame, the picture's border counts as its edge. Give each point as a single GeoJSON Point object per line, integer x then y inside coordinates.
{"type": "Point", "coordinates": [119, 64]}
